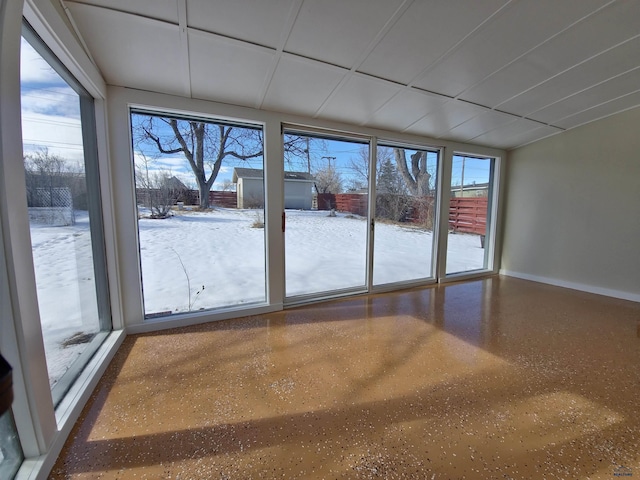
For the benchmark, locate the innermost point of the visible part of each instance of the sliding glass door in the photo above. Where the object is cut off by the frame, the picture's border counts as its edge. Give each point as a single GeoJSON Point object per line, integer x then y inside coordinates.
{"type": "Point", "coordinates": [326, 227]}
{"type": "Point", "coordinates": [405, 214]}
{"type": "Point", "coordinates": [470, 212]}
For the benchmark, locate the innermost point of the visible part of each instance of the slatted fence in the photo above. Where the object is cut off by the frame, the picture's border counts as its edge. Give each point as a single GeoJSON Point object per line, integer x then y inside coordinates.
{"type": "Point", "coordinates": [468, 215]}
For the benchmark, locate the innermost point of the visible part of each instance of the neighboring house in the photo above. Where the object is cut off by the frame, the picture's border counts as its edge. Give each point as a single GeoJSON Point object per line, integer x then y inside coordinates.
{"type": "Point", "coordinates": [250, 188]}
{"type": "Point", "coordinates": [470, 190]}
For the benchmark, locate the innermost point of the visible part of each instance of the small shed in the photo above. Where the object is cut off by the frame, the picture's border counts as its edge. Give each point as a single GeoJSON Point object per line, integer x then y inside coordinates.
{"type": "Point", "coordinates": [298, 188]}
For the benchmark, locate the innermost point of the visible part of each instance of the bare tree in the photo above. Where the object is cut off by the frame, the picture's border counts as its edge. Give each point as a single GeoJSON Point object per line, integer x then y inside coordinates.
{"type": "Point", "coordinates": [416, 177]}
{"type": "Point", "coordinates": [45, 171]}
{"type": "Point", "coordinates": [157, 189]}
{"type": "Point", "coordinates": [204, 145]}
{"type": "Point", "coordinates": [328, 180]}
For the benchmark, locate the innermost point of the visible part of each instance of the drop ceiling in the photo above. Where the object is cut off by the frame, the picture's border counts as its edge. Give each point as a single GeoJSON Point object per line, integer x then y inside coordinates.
{"type": "Point", "coordinates": [491, 72]}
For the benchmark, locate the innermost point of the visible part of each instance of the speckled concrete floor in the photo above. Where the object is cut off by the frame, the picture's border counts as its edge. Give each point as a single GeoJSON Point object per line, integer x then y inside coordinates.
{"type": "Point", "coordinates": [499, 378]}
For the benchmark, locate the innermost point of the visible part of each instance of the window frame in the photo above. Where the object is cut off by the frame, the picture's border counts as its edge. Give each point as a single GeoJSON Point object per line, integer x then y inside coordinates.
{"type": "Point", "coordinates": [94, 205]}
{"type": "Point", "coordinates": [494, 208]}
{"type": "Point", "coordinates": [205, 315]}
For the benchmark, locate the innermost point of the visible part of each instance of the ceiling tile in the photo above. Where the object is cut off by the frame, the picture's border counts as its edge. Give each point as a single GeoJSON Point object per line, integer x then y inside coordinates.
{"type": "Point", "coordinates": [592, 36]}
{"type": "Point", "coordinates": [442, 119]}
{"type": "Point", "coordinates": [404, 109]}
{"type": "Point", "coordinates": [336, 31]}
{"type": "Point", "coordinates": [619, 104]}
{"type": "Point", "coordinates": [227, 70]}
{"type": "Point", "coordinates": [152, 48]}
{"type": "Point", "coordinates": [604, 92]}
{"type": "Point", "coordinates": [358, 99]}
{"type": "Point", "coordinates": [481, 124]}
{"type": "Point", "coordinates": [166, 10]}
{"type": "Point", "coordinates": [543, 64]}
{"type": "Point", "coordinates": [513, 31]}
{"type": "Point", "coordinates": [301, 86]}
{"type": "Point", "coordinates": [515, 134]}
{"type": "Point", "coordinates": [423, 34]}
{"type": "Point", "coordinates": [250, 20]}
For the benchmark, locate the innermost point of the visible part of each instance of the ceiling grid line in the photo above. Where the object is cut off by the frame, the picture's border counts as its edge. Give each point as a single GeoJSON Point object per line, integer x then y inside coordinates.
{"type": "Point", "coordinates": [532, 49]}
{"type": "Point", "coordinates": [493, 73]}
{"type": "Point", "coordinates": [285, 33]}
{"type": "Point", "coordinates": [393, 19]}
{"type": "Point", "coordinates": [411, 84]}
{"type": "Point", "coordinates": [184, 46]}
{"type": "Point", "coordinates": [558, 74]}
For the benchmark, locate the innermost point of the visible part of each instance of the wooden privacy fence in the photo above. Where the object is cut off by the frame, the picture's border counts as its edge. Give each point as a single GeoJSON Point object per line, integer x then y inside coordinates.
{"type": "Point", "coordinates": [223, 199]}
{"type": "Point", "coordinates": [186, 196]}
{"type": "Point", "coordinates": [355, 203]}
{"type": "Point", "coordinates": [466, 215]}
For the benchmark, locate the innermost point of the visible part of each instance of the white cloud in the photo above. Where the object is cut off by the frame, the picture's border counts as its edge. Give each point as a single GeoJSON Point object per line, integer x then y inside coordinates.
{"type": "Point", "coordinates": [33, 68]}
{"type": "Point", "coordinates": [60, 135]}
{"type": "Point", "coordinates": [51, 100]}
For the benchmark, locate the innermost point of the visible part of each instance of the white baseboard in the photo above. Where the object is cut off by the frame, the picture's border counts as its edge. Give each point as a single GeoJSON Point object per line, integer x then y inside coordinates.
{"type": "Point", "coordinates": [634, 297]}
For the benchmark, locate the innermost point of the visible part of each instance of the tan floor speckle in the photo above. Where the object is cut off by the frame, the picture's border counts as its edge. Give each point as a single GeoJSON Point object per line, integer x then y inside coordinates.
{"type": "Point", "coordinates": [492, 379]}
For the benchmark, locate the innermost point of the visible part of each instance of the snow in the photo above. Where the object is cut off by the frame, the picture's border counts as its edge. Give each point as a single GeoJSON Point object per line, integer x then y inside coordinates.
{"type": "Point", "coordinates": [202, 260]}
{"type": "Point", "coordinates": [63, 263]}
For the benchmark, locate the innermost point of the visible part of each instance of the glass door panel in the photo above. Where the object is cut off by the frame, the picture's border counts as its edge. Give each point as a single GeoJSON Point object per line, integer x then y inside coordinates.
{"type": "Point", "coordinates": [469, 213]}
{"type": "Point", "coordinates": [200, 198]}
{"type": "Point", "coordinates": [406, 181]}
{"type": "Point", "coordinates": [326, 203]}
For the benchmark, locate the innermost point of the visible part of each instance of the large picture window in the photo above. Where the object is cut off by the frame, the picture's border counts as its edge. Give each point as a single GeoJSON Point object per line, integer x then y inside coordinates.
{"type": "Point", "coordinates": [200, 200]}
{"type": "Point", "coordinates": [65, 215]}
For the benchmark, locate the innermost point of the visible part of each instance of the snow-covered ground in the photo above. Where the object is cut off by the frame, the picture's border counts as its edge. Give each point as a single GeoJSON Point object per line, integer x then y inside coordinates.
{"type": "Point", "coordinates": [197, 260]}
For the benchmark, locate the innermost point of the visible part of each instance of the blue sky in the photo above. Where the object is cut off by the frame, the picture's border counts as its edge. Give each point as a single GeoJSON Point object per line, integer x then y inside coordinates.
{"type": "Point", "coordinates": [50, 109]}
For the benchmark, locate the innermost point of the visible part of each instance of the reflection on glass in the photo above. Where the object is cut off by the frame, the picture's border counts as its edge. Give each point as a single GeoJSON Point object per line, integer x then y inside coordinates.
{"type": "Point", "coordinates": [405, 214]}
{"type": "Point", "coordinates": [10, 451]}
{"type": "Point", "coordinates": [64, 217]}
{"type": "Point", "coordinates": [200, 197]}
{"type": "Point", "coordinates": [471, 186]}
{"type": "Point", "coordinates": [325, 199]}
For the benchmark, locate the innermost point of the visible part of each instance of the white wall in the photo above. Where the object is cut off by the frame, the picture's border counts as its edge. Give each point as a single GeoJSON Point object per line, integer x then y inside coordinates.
{"type": "Point", "coordinates": [572, 209]}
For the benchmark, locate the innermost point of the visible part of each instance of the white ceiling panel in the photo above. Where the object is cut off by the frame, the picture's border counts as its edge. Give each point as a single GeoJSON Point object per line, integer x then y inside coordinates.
{"type": "Point", "coordinates": [358, 99]}
{"type": "Point", "coordinates": [589, 37]}
{"type": "Point", "coordinates": [251, 20]}
{"type": "Point", "coordinates": [130, 50]}
{"type": "Point", "coordinates": [166, 10]}
{"type": "Point", "coordinates": [481, 124]}
{"type": "Point", "coordinates": [405, 109]}
{"type": "Point", "coordinates": [445, 117]}
{"type": "Point", "coordinates": [423, 34]}
{"type": "Point", "coordinates": [289, 88]}
{"type": "Point", "coordinates": [539, 67]}
{"type": "Point", "coordinates": [525, 24]}
{"type": "Point", "coordinates": [618, 86]}
{"type": "Point", "coordinates": [589, 73]}
{"type": "Point", "coordinates": [338, 31]}
{"type": "Point", "coordinates": [227, 70]}
{"type": "Point", "coordinates": [594, 113]}
{"type": "Point", "coordinates": [372, 62]}
{"type": "Point", "coordinates": [515, 134]}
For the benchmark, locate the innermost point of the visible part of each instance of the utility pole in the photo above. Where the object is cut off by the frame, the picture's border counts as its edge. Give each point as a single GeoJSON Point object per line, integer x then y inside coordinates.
{"type": "Point", "coordinates": [308, 157]}
{"type": "Point", "coordinates": [462, 179]}
{"type": "Point", "coordinates": [329, 160]}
